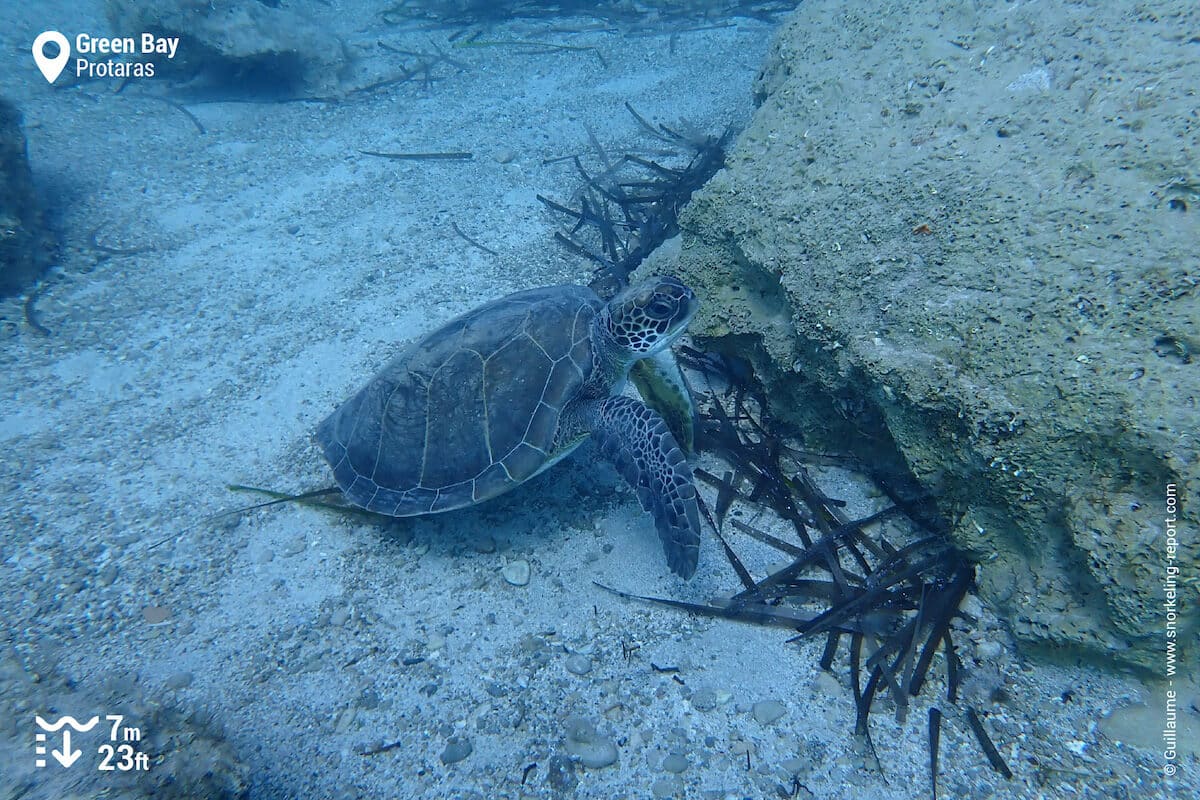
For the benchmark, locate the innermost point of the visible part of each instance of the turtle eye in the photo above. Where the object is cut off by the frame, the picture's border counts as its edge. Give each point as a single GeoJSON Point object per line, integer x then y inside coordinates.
{"type": "Point", "coordinates": [660, 309]}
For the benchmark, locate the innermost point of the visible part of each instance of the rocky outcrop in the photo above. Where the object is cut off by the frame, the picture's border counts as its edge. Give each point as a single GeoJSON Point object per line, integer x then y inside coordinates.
{"type": "Point", "coordinates": [25, 245]}
{"type": "Point", "coordinates": [963, 241]}
{"type": "Point", "coordinates": [241, 46]}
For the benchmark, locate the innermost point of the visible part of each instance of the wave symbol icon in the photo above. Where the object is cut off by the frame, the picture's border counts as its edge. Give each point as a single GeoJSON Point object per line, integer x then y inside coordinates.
{"type": "Point", "coordinates": [67, 720]}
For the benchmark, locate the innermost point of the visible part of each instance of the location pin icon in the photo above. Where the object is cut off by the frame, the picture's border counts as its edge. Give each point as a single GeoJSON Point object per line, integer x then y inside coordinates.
{"type": "Point", "coordinates": [51, 67]}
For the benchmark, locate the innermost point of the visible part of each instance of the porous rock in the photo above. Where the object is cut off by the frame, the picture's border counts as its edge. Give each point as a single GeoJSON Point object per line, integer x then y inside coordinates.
{"type": "Point", "coordinates": [963, 238]}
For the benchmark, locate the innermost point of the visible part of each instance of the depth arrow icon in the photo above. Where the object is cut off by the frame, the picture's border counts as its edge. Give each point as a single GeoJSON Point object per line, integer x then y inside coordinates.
{"type": "Point", "coordinates": [66, 757]}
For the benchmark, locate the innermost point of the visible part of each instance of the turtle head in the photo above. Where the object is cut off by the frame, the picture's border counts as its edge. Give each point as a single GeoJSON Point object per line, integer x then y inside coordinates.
{"type": "Point", "coordinates": [648, 316]}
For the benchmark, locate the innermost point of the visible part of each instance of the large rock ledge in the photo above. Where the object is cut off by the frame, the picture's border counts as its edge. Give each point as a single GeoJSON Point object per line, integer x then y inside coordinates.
{"type": "Point", "coordinates": [25, 244]}
{"type": "Point", "coordinates": [965, 241]}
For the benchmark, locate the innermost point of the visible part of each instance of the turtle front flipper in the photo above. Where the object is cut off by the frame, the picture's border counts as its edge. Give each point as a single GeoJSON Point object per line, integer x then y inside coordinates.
{"type": "Point", "coordinates": [640, 445]}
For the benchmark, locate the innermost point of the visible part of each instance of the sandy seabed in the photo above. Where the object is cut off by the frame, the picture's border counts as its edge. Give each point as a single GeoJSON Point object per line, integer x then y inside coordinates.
{"type": "Point", "coordinates": [263, 269]}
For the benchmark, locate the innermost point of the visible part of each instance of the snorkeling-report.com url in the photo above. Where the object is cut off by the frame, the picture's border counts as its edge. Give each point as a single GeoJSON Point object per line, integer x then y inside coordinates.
{"type": "Point", "coordinates": [1171, 561]}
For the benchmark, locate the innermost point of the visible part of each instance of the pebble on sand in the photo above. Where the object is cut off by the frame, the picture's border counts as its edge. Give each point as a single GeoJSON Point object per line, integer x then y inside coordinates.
{"type": "Point", "coordinates": [295, 546]}
{"type": "Point", "coordinates": [827, 685]}
{"type": "Point", "coordinates": [180, 680]}
{"type": "Point", "coordinates": [156, 614]}
{"type": "Point", "coordinates": [707, 699]}
{"type": "Point", "coordinates": [767, 711]}
{"type": "Point", "coordinates": [578, 664]}
{"type": "Point", "coordinates": [704, 700]}
{"type": "Point", "coordinates": [517, 572]}
{"type": "Point", "coordinates": [107, 575]}
{"type": "Point", "coordinates": [593, 750]}
{"type": "Point", "coordinates": [675, 762]}
{"type": "Point", "coordinates": [457, 748]}
{"type": "Point", "coordinates": [662, 788]}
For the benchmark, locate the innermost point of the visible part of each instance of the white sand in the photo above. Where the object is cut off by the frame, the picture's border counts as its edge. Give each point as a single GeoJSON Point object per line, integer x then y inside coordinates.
{"type": "Point", "coordinates": [210, 360]}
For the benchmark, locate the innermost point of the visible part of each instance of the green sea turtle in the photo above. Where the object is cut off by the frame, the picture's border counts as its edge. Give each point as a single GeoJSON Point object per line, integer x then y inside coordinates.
{"type": "Point", "coordinates": [507, 390]}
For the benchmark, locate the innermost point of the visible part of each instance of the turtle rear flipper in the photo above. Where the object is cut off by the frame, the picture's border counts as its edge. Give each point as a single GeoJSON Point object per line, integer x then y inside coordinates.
{"type": "Point", "coordinates": [640, 445]}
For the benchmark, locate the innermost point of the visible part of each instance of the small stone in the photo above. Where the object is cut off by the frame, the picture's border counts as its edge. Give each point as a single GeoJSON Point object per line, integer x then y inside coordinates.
{"type": "Point", "coordinates": [345, 719]}
{"type": "Point", "coordinates": [827, 684]}
{"type": "Point", "coordinates": [768, 711]}
{"type": "Point", "coordinates": [107, 575]}
{"type": "Point", "coordinates": [704, 700]}
{"type": "Point", "coordinates": [578, 664]}
{"type": "Point", "coordinates": [180, 680]}
{"type": "Point", "coordinates": [264, 556]}
{"type": "Point", "coordinates": [485, 544]}
{"type": "Point", "coordinates": [663, 788]}
{"type": "Point", "coordinates": [517, 572]}
{"type": "Point", "coordinates": [741, 747]}
{"type": "Point", "coordinates": [456, 750]}
{"type": "Point", "coordinates": [294, 546]}
{"type": "Point", "coordinates": [531, 643]}
{"type": "Point", "coordinates": [339, 617]}
{"type": "Point", "coordinates": [593, 750]}
{"type": "Point", "coordinates": [156, 614]}
{"type": "Point", "coordinates": [560, 774]}
{"type": "Point", "coordinates": [675, 763]}
{"type": "Point", "coordinates": [293, 229]}
{"type": "Point", "coordinates": [436, 642]}
{"type": "Point", "coordinates": [504, 156]}
{"type": "Point", "coordinates": [988, 650]}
